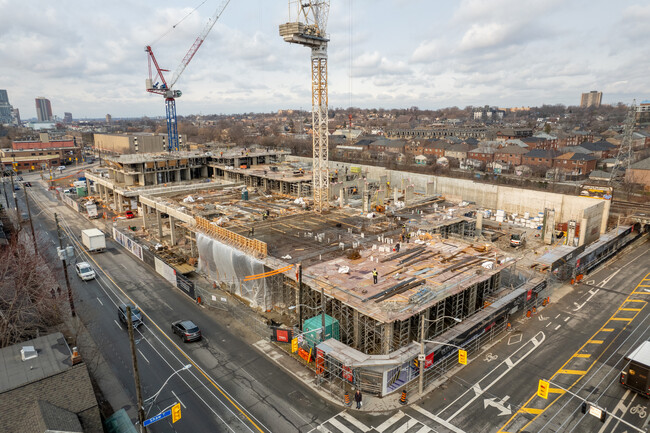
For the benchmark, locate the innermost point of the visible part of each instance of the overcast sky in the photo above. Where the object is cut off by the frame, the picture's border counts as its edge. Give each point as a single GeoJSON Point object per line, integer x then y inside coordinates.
{"type": "Point", "coordinates": [88, 57]}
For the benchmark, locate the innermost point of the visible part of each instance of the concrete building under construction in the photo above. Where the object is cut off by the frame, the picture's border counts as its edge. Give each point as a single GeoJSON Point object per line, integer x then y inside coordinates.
{"type": "Point", "coordinates": [243, 220]}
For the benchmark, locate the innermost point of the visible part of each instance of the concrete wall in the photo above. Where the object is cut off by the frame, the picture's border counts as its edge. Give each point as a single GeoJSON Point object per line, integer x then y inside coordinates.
{"type": "Point", "coordinates": [510, 199]}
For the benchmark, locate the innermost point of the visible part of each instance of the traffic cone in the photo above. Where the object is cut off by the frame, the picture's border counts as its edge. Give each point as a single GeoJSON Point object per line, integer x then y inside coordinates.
{"type": "Point", "coordinates": [347, 399]}
{"type": "Point", "coordinates": [402, 399]}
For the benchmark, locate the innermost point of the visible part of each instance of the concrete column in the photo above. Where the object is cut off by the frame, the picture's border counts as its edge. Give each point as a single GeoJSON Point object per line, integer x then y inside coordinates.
{"type": "Point", "coordinates": [299, 189]}
{"type": "Point", "coordinates": [159, 222]}
{"type": "Point", "coordinates": [583, 232]}
{"type": "Point", "coordinates": [364, 195]}
{"type": "Point", "coordinates": [356, 331]}
{"type": "Point", "coordinates": [408, 194]}
{"type": "Point", "coordinates": [603, 222]}
{"type": "Point", "coordinates": [145, 210]}
{"type": "Point", "coordinates": [172, 228]}
{"type": "Point", "coordinates": [388, 338]}
{"type": "Point", "coordinates": [431, 188]}
{"type": "Point", "coordinates": [115, 205]}
{"type": "Point", "coordinates": [479, 222]}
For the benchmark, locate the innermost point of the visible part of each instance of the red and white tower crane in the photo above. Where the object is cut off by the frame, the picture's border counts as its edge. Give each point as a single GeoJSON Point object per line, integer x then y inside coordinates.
{"type": "Point", "coordinates": [309, 30]}
{"type": "Point", "coordinates": [156, 82]}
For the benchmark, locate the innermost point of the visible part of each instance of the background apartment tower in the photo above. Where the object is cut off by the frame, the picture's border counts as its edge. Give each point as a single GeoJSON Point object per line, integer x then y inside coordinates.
{"type": "Point", "coordinates": [5, 108]}
{"type": "Point", "coordinates": [591, 99]}
{"type": "Point", "coordinates": [43, 110]}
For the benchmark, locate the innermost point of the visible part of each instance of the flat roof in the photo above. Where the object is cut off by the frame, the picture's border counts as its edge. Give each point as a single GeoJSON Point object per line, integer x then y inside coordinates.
{"type": "Point", "coordinates": [53, 357]}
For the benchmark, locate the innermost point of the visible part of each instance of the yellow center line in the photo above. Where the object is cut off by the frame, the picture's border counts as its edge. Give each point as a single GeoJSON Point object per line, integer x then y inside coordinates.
{"type": "Point", "coordinates": [595, 341]}
{"type": "Point", "coordinates": [577, 354]}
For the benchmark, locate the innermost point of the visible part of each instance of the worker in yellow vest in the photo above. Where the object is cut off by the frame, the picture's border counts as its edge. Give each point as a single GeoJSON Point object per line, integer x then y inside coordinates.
{"type": "Point", "coordinates": [374, 276]}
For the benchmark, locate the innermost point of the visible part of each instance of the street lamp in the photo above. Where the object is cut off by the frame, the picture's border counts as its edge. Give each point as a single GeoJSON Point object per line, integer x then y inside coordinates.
{"type": "Point", "coordinates": [422, 357]}
{"type": "Point", "coordinates": [153, 398]}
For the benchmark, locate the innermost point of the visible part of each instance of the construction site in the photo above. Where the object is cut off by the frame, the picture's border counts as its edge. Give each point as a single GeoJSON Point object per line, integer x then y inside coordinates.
{"type": "Point", "coordinates": [359, 266]}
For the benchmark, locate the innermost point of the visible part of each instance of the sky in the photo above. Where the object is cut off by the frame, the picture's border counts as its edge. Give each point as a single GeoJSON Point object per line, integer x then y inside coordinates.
{"type": "Point", "coordinates": [88, 57]}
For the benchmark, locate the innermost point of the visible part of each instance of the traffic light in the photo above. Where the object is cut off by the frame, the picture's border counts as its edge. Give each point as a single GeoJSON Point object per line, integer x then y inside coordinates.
{"type": "Point", "coordinates": [176, 412]}
{"type": "Point", "coordinates": [542, 389]}
{"type": "Point", "coordinates": [462, 356]}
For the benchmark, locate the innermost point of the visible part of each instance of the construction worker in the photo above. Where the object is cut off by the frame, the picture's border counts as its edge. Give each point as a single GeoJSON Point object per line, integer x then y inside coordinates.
{"type": "Point", "coordinates": [374, 276]}
{"type": "Point", "coordinates": [397, 247]}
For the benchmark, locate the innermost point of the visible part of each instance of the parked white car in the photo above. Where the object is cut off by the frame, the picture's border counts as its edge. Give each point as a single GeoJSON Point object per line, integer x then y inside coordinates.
{"type": "Point", "coordinates": [85, 271]}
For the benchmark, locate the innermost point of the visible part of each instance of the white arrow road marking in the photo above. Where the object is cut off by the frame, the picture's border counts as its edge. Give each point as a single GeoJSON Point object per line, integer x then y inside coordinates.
{"type": "Point", "coordinates": [437, 419]}
{"type": "Point", "coordinates": [504, 410]}
{"type": "Point", "coordinates": [508, 363]}
{"type": "Point", "coordinates": [592, 292]}
{"type": "Point", "coordinates": [541, 318]}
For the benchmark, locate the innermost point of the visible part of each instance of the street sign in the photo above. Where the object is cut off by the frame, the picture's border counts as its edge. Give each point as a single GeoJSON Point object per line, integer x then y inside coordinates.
{"type": "Point", "coordinates": [462, 356]}
{"type": "Point", "coordinates": [300, 339]}
{"type": "Point", "coordinates": [542, 389]}
{"type": "Point", "coordinates": [158, 417]}
{"type": "Point", "coordinates": [176, 412]}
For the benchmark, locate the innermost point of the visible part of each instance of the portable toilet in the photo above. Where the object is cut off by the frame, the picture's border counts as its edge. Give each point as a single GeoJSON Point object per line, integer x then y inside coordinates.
{"type": "Point", "coordinates": [82, 191]}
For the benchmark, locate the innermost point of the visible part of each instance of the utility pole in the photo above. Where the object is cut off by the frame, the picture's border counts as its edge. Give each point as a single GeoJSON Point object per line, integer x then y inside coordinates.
{"type": "Point", "coordinates": [4, 189]}
{"type": "Point", "coordinates": [422, 357]}
{"type": "Point", "coordinates": [322, 307]}
{"type": "Point", "coordinates": [65, 266]}
{"type": "Point", "coordinates": [300, 296]}
{"type": "Point", "coordinates": [13, 191]}
{"type": "Point", "coordinates": [136, 373]}
{"type": "Point", "coordinates": [31, 224]}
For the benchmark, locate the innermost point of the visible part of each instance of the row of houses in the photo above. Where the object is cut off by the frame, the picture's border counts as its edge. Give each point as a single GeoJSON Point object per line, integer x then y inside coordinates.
{"type": "Point", "coordinates": [534, 152]}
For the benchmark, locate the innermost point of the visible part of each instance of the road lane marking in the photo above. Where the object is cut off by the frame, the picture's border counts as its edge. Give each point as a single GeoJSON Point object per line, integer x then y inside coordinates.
{"type": "Point", "coordinates": [629, 309]}
{"type": "Point", "coordinates": [583, 355]}
{"type": "Point", "coordinates": [100, 301]}
{"type": "Point", "coordinates": [437, 419]}
{"type": "Point", "coordinates": [607, 329]}
{"type": "Point", "coordinates": [390, 421]}
{"type": "Point", "coordinates": [621, 319]}
{"type": "Point", "coordinates": [536, 341]}
{"type": "Point", "coordinates": [179, 400]}
{"type": "Point", "coordinates": [550, 402]}
{"type": "Point", "coordinates": [595, 342]}
{"type": "Point", "coordinates": [567, 319]}
{"type": "Point", "coordinates": [557, 316]}
{"type": "Point", "coordinates": [532, 410]}
{"type": "Point", "coordinates": [578, 372]}
{"type": "Point", "coordinates": [340, 426]}
{"type": "Point", "coordinates": [118, 325]}
{"type": "Point", "coordinates": [548, 324]}
{"type": "Point", "coordinates": [558, 327]}
{"type": "Point", "coordinates": [355, 422]}
{"type": "Point", "coordinates": [145, 358]}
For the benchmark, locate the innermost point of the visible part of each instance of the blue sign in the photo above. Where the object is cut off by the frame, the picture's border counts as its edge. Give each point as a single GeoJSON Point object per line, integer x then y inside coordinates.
{"type": "Point", "coordinates": [158, 417]}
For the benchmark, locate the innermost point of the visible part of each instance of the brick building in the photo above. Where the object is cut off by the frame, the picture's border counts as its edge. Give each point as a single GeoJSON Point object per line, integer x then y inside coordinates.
{"type": "Point", "coordinates": [576, 163]}
{"type": "Point", "coordinates": [36, 154]}
{"type": "Point", "coordinates": [539, 158]}
{"type": "Point", "coordinates": [510, 155]}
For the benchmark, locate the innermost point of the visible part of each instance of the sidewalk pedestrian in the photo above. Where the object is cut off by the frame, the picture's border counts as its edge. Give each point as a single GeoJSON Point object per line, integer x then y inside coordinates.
{"type": "Point", "coordinates": [374, 276]}
{"type": "Point", "coordinates": [358, 397]}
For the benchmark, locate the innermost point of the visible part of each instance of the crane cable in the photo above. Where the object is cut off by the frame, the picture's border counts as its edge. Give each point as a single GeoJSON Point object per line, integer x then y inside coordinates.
{"type": "Point", "coordinates": [174, 26]}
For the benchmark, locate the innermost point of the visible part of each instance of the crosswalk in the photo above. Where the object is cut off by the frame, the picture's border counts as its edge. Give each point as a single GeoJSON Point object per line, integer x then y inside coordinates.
{"type": "Point", "coordinates": [400, 422]}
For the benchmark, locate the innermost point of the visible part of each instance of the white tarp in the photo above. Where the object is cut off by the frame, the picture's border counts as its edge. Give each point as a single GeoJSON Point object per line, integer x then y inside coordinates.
{"type": "Point", "coordinates": [225, 264]}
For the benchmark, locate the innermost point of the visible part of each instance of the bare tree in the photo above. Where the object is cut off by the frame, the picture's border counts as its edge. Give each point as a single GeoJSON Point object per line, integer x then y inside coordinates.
{"type": "Point", "coordinates": [29, 300]}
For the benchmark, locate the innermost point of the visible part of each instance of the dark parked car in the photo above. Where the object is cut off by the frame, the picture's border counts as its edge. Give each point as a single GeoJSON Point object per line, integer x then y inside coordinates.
{"type": "Point", "coordinates": [187, 330]}
{"type": "Point", "coordinates": [29, 184]}
{"type": "Point", "coordinates": [136, 315]}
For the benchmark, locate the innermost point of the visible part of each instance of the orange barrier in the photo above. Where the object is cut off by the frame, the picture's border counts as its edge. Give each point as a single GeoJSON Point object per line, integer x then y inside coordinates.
{"type": "Point", "coordinates": [347, 399]}
{"type": "Point", "coordinates": [402, 399]}
{"type": "Point", "coordinates": [528, 314]}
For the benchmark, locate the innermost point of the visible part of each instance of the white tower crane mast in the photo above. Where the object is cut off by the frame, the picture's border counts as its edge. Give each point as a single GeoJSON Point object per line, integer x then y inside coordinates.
{"type": "Point", "coordinates": [309, 30]}
{"type": "Point", "coordinates": [625, 155]}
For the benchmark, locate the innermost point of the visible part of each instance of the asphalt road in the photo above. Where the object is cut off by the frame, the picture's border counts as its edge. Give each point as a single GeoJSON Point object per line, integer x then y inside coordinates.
{"type": "Point", "coordinates": [230, 386]}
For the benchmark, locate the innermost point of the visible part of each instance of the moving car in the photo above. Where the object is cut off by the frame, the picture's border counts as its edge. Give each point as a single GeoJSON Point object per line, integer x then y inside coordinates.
{"type": "Point", "coordinates": [29, 184]}
{"type": "Point", "coordinates": [187, 330]}
{"type": "Point", "coordinates": [129, 215]}
{"type": "Point", "coordinates": [85, 271]}
{"type": "Point", "coordinates": [136, 315]}
{"type": "Point", "coordinates": [61, 167]}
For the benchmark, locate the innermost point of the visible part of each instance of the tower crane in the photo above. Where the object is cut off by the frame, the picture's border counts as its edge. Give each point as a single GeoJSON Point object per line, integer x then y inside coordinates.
{"type": "Point", "coordinates": [156, 82]}
{"type": "Point", "coordinates": [309, 30]}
